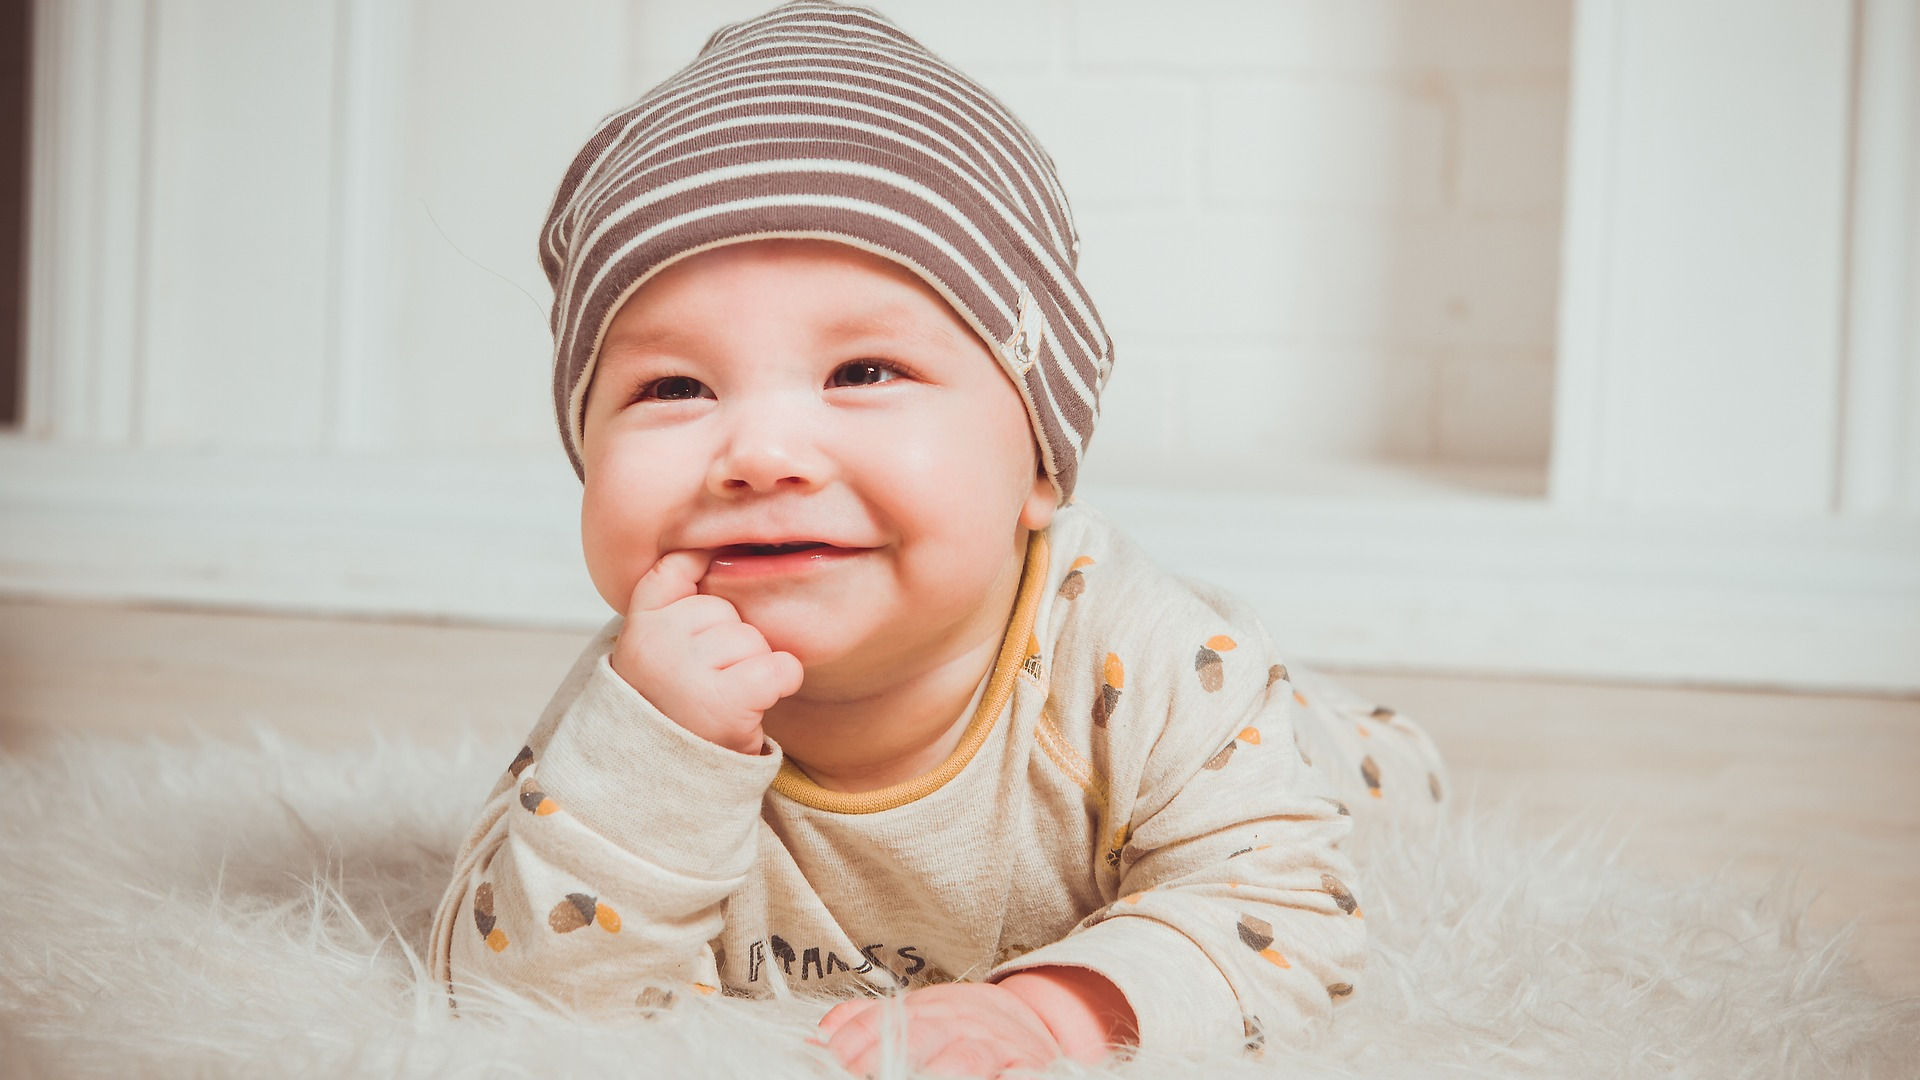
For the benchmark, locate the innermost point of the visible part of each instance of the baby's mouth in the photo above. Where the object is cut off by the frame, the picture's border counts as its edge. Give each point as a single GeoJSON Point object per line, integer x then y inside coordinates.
{"type": "Point", "coordinates": [747, 562]}
{"type": "Point", "coordinates": [768, 549]}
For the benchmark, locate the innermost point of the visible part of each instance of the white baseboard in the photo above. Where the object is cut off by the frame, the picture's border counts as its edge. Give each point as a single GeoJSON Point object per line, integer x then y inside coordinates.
{"type": "Point", "coordinates": [1377, 570]}
{"type": "Point", "coordinates": [484, 539]}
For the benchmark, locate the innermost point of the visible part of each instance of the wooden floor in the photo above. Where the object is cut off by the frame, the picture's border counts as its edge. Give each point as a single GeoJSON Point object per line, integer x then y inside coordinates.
{"type": "Point", "coordinates": [1697, 778]}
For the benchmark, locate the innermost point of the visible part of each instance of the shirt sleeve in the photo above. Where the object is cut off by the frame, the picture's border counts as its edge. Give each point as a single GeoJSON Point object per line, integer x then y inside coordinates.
{"type": "Point", "coordinates": [596, 875]}
{"type": "Point", "coordinates": [1232, 918]}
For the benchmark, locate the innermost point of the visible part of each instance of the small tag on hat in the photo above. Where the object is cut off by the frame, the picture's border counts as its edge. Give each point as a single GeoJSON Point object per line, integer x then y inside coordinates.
{"type": "Point", "coordinates": [1023, 348]}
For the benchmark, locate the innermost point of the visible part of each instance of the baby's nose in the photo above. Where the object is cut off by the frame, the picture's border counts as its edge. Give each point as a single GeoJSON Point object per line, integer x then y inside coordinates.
{"type": "Point", "coordinates": [768, 449]}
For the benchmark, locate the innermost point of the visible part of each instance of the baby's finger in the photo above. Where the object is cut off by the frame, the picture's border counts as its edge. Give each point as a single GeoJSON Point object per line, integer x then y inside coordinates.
{"type": "Point", "coordinates": [856, 1045]}
{"type": "Point", "coordinates": [838, 1015]}
{"type": "Point", "coordinates": [675, 575]}
{"type": "Point", "coordinates": [759, 681]}
{"type": "Point", "coordinates": [863, 1053]}
{"type": "Point", "coordinates": [690, 615]}
{"type": "Point", "coordinates": [866, 1063]}
{"type": "Point", "coordinates": [972, 1057]}
{"type": "Point", "coordinates": [725, 644]}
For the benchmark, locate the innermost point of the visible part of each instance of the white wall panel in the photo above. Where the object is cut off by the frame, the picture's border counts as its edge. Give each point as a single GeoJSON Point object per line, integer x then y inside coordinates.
{"type": "Point", "coordinates": [239, 261]}
{"type": "Point", "coordinates": [1707, 255]}
{"type": "Point", "coordinates": [88, 221]}
{"type": "Point", "coordinates": [1906, 445]}
{"type": "Point", "coordinates": [1880, 451]}
{"type": "Point", "coordinates": [1909, 425]}
{"type": "Point", "coordinates": [365, 301]}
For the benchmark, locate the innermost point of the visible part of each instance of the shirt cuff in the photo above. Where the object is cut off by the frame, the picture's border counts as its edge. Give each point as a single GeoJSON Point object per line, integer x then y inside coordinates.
{"type": "Point", "coordinates": [1180, 1000]}
{"type": "Point", "coordinates": [621, 767]}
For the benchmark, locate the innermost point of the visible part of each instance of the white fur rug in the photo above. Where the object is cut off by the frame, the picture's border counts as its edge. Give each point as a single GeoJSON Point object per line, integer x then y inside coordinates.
{"type": "Point", "coordinates": [259, 910]}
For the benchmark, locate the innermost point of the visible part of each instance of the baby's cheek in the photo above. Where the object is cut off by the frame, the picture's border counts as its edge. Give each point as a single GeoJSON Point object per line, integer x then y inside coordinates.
{"type": "Point", "coordinates": [908, 458]}
{"type": "Point", "coordinates": [618, 544]}
{"type": "Point", "coordinates": [613, 577]}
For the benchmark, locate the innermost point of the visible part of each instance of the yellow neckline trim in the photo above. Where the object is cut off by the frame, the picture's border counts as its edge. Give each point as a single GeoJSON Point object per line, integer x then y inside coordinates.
{"type": "Point", "coordinates": [796, 785]}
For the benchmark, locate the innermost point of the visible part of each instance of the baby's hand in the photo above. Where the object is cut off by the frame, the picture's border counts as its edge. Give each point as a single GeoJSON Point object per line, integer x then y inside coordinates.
{"type": "Point", "coordinates": [963, 1029]}
{"type": "Point", "coordinates": [693, 657]}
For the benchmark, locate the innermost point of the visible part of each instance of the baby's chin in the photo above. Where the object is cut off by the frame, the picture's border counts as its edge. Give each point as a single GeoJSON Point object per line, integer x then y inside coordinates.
{"type": "Point", "coordinates": [818, 635]}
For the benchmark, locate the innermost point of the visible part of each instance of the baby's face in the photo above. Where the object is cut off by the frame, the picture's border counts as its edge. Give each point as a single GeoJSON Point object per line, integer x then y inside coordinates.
{"type": "Point", "coordinates": [803, 390]}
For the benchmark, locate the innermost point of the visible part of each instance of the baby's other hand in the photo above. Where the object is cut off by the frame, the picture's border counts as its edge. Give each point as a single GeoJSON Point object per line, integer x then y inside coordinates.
{"type": "Point", "coordinates": [960, 1029]}
{"type": "Point", "coordinates": [692, 656]}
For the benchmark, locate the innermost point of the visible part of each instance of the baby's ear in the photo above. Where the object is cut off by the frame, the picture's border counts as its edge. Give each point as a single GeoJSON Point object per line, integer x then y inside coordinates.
{"type": "Point", "coordinates": [1037, 511]}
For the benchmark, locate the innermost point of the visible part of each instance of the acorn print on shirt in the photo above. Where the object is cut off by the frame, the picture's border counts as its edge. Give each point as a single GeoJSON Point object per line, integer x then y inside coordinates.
{"type": "Point", "coordinates": [1257, 934]}
{"type": "Point", "coordinates": [1206, 662]}
{"type": "Point", "coordinates": [534, 799]}
{"type": "Point", "coordinates": [1113, 677]}
{"type": "Point", "coordinates": [1248, 735]}
{"type": "Point", "coordinates": [1277, 673]}
{"type": "Point", "coordinates": [1075, 582]}
{"type": "Point", "coordinates": [579, 909]}
{"type": "Point", "coordinates": [495, 937]}
{"type": "Point", "coordinates": [1380, 713]}
{"type": "Point", "coordinates": [1370, 772]}
{"type": "Point", "coordinates": [1337, 889]}
{"type": "Point", "coordinates": [520, 761]}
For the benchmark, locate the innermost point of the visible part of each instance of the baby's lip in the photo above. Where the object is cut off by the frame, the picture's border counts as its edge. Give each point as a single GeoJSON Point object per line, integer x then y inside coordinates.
{"type": "Point", "coordinates": [744, 565]}
{"type": "Point", "coordinates": [744, 547]}
{"type": "Point", "coordinates": [768, 546]}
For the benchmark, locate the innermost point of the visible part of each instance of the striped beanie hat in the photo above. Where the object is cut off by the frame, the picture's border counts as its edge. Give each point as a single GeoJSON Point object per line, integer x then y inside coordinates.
{"type": "Point", "coordinates": [824, 120]}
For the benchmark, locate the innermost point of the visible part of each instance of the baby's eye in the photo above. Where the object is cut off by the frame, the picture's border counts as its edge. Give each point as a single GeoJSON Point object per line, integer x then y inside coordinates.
{"type": "Point", "coordinates": [868, 372]}
{"type": "Point", "coordinates": [672, 388]}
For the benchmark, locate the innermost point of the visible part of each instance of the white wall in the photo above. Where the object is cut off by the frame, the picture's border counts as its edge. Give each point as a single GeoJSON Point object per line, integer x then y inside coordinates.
{"type": "Point", "coordinates": [287, 342]}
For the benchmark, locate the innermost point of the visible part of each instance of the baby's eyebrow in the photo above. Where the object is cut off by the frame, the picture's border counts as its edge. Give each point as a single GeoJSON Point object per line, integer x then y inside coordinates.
{"type": "Point", "coordinates": [883, 323]}
{"type": "Point", "coordinates": [664, 339]}
{"type": "Point", "coordinates": [890, 323]}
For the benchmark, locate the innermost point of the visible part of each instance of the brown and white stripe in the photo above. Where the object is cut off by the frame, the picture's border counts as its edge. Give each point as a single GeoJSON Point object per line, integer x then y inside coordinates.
{"type": "Point", "coordinates": [824, 120]}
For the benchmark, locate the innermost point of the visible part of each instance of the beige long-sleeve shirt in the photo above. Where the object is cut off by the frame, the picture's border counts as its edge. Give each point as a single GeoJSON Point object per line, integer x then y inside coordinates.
{"type": "Point", "coordinates": [1133, 795]}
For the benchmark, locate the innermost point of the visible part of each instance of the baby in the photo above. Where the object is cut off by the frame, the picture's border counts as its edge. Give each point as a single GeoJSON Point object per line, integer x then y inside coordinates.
{"type": "Point", "coordinates": [883, 709]}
